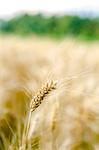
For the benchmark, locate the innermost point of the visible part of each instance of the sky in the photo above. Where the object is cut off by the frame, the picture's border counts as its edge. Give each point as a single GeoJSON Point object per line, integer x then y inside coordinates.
{"type": "Point", "coordinates": [10, 8]}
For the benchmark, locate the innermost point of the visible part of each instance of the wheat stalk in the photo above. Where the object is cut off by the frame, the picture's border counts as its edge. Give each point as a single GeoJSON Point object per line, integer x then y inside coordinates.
{"type": "Point", "coordinates": [36, 101]}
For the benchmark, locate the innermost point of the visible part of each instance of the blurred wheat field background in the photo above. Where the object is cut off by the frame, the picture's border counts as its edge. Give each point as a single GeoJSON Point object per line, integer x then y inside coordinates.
{"type": "Point", "coordinates": [69, 117]}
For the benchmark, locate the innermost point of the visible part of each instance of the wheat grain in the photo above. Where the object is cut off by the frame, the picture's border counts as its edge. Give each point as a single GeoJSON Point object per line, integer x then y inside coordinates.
{"type": "Point", "coordinates": [41, 94]}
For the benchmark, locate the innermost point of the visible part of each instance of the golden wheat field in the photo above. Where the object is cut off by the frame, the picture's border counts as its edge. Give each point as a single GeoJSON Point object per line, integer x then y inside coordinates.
{"type": "Point", "coordinates": [49, 94]}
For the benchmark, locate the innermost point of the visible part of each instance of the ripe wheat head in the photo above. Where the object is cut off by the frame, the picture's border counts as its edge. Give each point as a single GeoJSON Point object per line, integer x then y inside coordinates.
{"type": "Point", "coordinates": [42, 93]}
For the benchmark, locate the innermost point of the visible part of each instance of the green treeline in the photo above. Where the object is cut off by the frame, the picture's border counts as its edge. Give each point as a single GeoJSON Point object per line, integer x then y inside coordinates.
{"type": "Point", "coordinates": [58, 26]}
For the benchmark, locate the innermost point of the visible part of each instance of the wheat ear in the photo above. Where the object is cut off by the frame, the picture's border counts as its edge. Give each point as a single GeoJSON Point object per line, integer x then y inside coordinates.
{"type": "Point", "coordinates": [41, 94]}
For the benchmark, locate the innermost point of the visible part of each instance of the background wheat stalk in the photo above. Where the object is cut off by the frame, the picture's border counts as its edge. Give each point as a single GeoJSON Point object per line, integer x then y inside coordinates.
{"type": "Point", "coordinates": [76, 92]}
